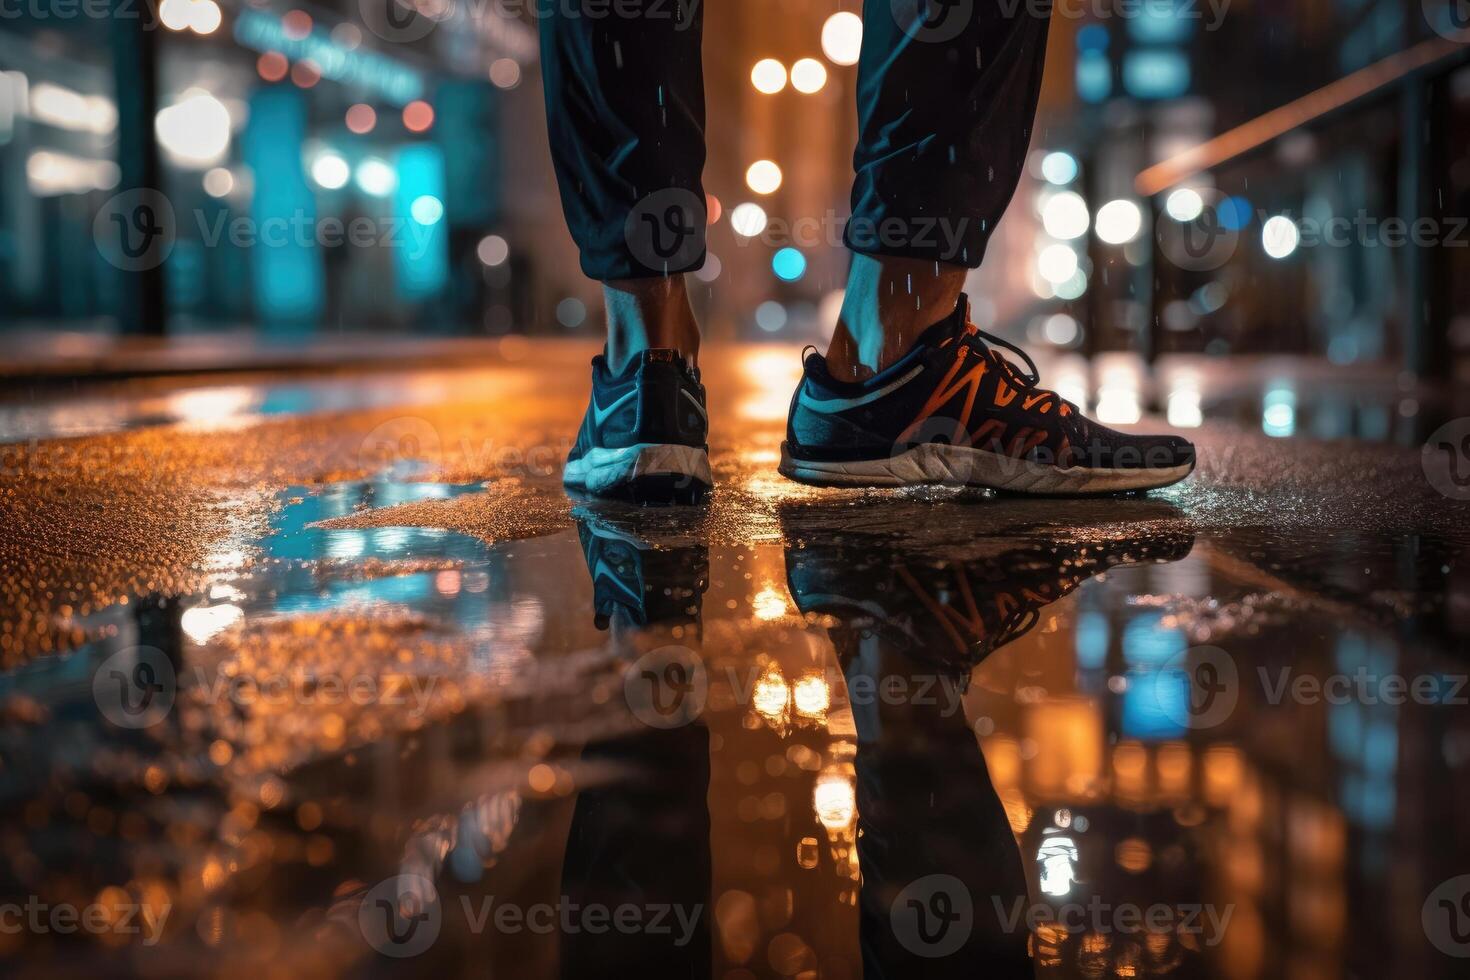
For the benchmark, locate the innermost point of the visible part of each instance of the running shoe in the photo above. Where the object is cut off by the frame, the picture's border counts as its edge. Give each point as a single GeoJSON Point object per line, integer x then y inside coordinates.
{"type": "Point", "coordinates": [955, 411]}
{"type": "Point", "coordinates": [955, 613]}
{"type": "Point", "coordinates": [636, 583]}
{"type": "Point", "coordinates": [645, 434]}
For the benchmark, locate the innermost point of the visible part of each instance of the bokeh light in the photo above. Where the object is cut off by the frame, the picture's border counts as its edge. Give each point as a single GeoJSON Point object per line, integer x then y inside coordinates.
{"type": "Point", "coordinates": [768, 76]}
{"type": "Point", "coordinates": [1057, 263]}
{"type": "Point", "coordinates": [748, 219]}
{"type": "Point", "coordinates": [505, 73]}
{"type": "Point", "coordinates": [1185, 204]}
{"type": "Point", "coordinates": [426, 209]}
{"type": "Point", "coordinates": [842, 38]}
{"type": "Point", "coordinates": [788, 264]}
{"type": "Point", "coordinates": [330, 171]}
{"type": "Point", "coordinates": [808, 75]}
{"type": "Point", "coordinates": [418, 116]}
{"type": "Point", "coordinates": [1059, 167]}
{"type": "Point", "coordinates": [272, 66]}
{"type": "Point", "coordinates": [375, 177]}
{"type": "Point", "coordinates": [1280, 237]}
{"type": "Point", "coordinates": [361, 118]}
{"type": "Point", "coordinates": [1065, 216]}
{"type": "Point", "coordinates": [763, 177]}
{"type": "Point", "coordinates": [1118, 222]}
{"type": "Point", "coordinates": [492, 251]}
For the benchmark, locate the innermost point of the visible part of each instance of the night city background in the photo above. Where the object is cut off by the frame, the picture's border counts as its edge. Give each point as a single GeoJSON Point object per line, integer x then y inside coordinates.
{"type": "Point", "coordinates": [294, 341]}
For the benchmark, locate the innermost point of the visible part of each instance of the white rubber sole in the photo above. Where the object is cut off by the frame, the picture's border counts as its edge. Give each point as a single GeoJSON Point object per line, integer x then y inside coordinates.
{"type": "Point", "coordinates": [603, 471]}
{"type": "Point", "coordinates": [936, 463]}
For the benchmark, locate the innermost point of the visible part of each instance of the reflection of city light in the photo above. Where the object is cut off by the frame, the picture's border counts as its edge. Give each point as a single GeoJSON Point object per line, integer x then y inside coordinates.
{"type": "Point", "coordinates": [1059, 167]}
{"type": "Point", "coordinates": [1280, 237]}
{"type": "Point", "coordinates": [1065, 216]}
{"type": "Point", "coordinates": [492, 250]}
{"type": "Point", "coordinates": [330, 171]}
{"type": "Point", "coordinates": [361, 119]}
{"type": "Point", "coordinates": [769, 603]}
{"type": "Point", "coordinates": [375, 177]}
{"type": "Point", "coordinates": [505, 73]}
{"type": "Point", "coordinates": [763, 176]}
{"type": "Point", "coordinates": [1118, 222]}
{"type": "Point", "coordinates": [194, 130]}
{"type": "Point", "coordinates": [1278, 412]}
{"type": "Point", "coordinates": [426, 209]}
{"type": "Point", "coordinates": [808, 75]}
{"type": "Point", "coordinates": [1117, 397]}
{"type": "Point", "coordinates": [771, 695]}
{"type": "Point", "coordinates": [1183, 409]}
{"type": "Point", "coordinates": [1185, 204]}
{"type": "Point", "coordinates": [748, 219]}
{"type": "Point", "coordinates": [768, 76]}
{"type": "Point", "coordinates": [418, 116]}
{"type": "Point", "coordinates": [1056, 263]}
{"type": "Point", "coordinates": [203, 622]}
{"type": "Point", "coordinates": [219, 182]}
{"type": "Point", "coordinates": [842, 38]}
{"type": "Point", "coordinates": [1057, 858]}
{"type": "Point", "coordinates": [834, 800]}
{"type": "Point", "coordinates": [811, 695]}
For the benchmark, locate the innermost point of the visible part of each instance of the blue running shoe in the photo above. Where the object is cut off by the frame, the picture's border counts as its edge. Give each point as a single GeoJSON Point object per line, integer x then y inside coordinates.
{"type": "Point", "coordinates": [645, 434]}
{"type": "Point", "coordinates": [954, 411]}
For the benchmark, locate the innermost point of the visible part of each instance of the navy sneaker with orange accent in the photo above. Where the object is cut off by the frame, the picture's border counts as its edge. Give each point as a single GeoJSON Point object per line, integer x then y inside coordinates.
{"type": "Point", "coordinates": [954, 411]}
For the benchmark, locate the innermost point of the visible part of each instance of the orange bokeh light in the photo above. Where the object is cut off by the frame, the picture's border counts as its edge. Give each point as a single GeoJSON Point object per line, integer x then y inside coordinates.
{"type": "Point", "coordinates": [712, 208]}
{"type": "Point", "coordinates": [305, 74]}
{"type": "Point", "coordinates": [296, 25]}
{"type": "Point", "coordinates": [418, 116]}
{"type": "Point", "coordinates": [272, 66]}
{"type": "Point", "coordinates": [361, 119]}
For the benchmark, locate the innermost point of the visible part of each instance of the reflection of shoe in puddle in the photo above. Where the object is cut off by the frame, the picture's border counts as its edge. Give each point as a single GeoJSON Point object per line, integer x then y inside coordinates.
{"type": "Point", "coordinates": [635, 583]}
{"type": "Point", "coordinates": [957, 611]}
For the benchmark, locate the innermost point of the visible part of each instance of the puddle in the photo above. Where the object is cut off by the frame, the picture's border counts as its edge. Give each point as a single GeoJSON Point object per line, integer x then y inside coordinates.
{"type": "Point", "coordinates": [857, 747]}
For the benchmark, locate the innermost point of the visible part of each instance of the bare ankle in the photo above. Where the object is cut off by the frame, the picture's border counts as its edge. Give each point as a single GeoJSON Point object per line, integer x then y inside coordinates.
{"type": "Point", "coordinates": [644, 313]}
{"type": "Point", "coordinates": [889, 301]}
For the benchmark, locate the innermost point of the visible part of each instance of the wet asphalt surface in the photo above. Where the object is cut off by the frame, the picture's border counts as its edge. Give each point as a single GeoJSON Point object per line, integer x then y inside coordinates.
{"type": "Point", "coordinates": [327, 676]}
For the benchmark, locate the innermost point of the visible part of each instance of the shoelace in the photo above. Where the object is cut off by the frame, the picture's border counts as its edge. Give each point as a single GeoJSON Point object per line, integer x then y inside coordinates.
{"type": "Point", "coordinates": [1027, 380]}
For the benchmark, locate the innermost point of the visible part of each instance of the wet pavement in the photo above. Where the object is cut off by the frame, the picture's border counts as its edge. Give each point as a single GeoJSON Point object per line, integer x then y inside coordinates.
{"type": "Point", "coordinates": [326, 676]}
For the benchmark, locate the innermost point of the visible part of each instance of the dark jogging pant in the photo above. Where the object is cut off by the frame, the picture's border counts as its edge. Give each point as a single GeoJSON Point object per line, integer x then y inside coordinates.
{"type": "Point", "coordinates": [946, 96]}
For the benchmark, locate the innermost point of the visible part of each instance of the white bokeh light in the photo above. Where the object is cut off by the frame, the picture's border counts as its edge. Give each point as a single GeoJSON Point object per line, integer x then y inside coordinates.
{"type": "Point", "coordinates": [1064, 216]}
{"type": "Point", "coordinates": [1280, 237]}
{"type": "Point", "coordinates": [748, 219]}
{"type": "Point", "coordinates": [842, 38]}
{"type": "Point", "coordinates": [768, 76]}
{"type": "Point", "coordinates": [1118, 222]}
